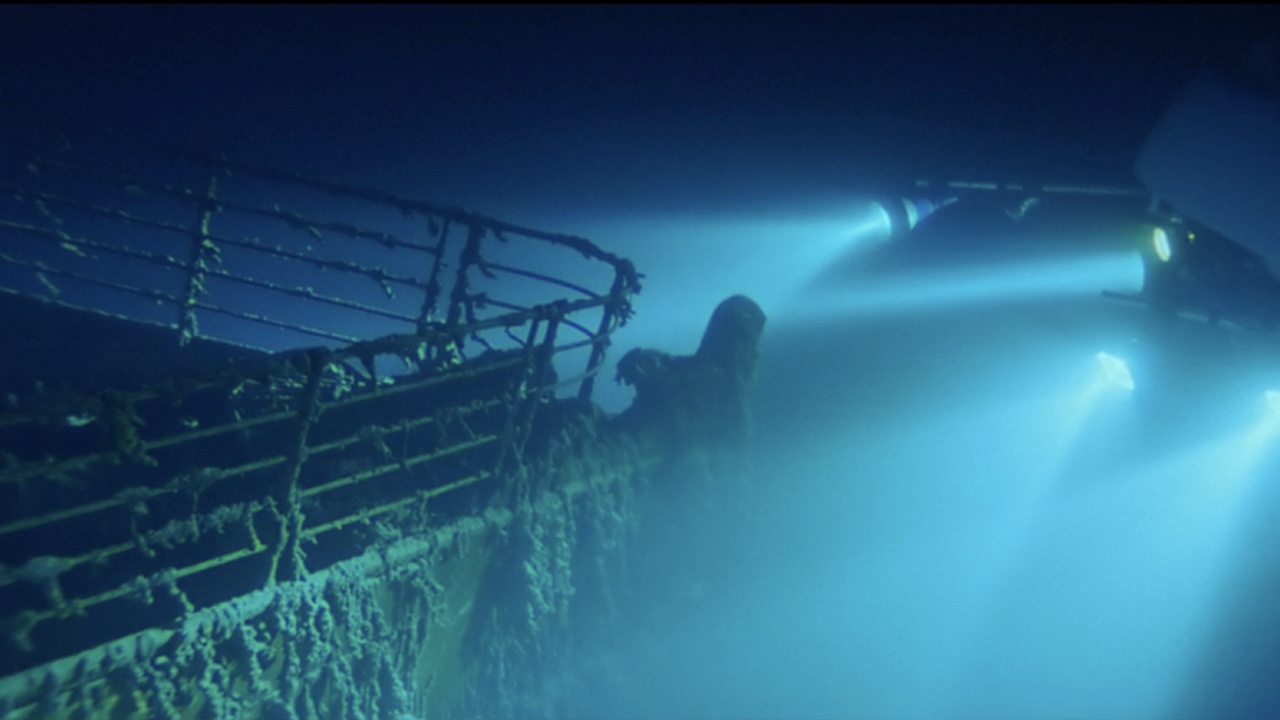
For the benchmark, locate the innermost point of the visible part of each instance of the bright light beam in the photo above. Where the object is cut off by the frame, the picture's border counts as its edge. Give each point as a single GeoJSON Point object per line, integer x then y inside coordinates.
{"type": "Point", "coordinates": [1273, 401]}
{"type": "Point", "coordinates": [1048, 429]}
{"type": "Point", "coordinates": [1247, 451]}
{"type": "Point", "coordinates": [1110, 376]}
{"type": "Point", "coordinates": [987, 284]}
{"type": "Point", "coordinates": [693, 261]}
{"type": "Point", "coordinates": [1185, 520]}
{"type": "Point", "coordinates": [1115, 372]}
{"type": "Point", "coordinates": [1012, 543]}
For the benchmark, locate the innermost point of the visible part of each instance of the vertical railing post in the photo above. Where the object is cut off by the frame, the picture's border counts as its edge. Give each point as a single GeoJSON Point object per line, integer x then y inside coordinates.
{"type": "Point", "coordinates": [432, 293]}
{"type": "Point", "coordinates": [288, 561]}
{"type": "Point", "coordinates": [459, 297]}
{"type": "Point", "coordinates": [624, 283]}
{"type": "Point", "coordinates": [203, 252]}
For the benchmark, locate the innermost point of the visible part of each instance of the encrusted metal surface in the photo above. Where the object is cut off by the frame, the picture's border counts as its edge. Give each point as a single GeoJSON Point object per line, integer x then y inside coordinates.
{"type": "Point", "coordinates": [302, 532]}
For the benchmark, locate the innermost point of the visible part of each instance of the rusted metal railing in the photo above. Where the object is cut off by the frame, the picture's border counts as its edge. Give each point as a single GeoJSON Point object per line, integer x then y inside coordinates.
{"type": "Point", "coordinates": [401, 374]}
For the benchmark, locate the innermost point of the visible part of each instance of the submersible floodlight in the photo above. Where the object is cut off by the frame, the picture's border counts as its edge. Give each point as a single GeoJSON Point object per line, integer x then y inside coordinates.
{"type": "Point", "coordinates": [905, 213]}
{"type": "Point", "coordinates": [1273, 401]}
{"type": "Point", "coordinates": [1170, 240]}
{"type": "Point", "coordinates": [1160, 243]}
{"type": "Point", "coordinates": [1116, 371]}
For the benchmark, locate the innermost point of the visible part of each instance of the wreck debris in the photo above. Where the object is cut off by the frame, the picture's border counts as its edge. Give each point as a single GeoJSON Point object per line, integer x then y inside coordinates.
{"type": "Point", "coordinates": [307, 533]}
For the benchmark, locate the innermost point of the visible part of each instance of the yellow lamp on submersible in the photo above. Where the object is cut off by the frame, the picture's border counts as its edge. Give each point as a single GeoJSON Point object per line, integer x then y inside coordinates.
{"type": "Point", "coordinates": [1161, 245]}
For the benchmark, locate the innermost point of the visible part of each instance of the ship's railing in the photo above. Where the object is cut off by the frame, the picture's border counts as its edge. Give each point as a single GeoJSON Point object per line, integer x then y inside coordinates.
{"type": "Point", "coordinates": [278, 261]}
{"type": "Point", "coordinates": [128, 509]}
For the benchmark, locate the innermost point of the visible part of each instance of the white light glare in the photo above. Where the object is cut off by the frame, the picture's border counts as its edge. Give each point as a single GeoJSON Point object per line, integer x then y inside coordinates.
{"type": "Point", "coordinates": [1273, 401]}
{"type": "Point", "coordinates": [875, 227]}
{"type": "Point", "coordinates": [1160, 243]}
{"type": "Point", "coordinates": [1117, 372]}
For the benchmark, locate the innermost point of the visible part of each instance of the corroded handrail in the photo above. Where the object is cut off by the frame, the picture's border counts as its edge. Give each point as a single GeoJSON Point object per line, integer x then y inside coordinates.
{"type": "Point", "coordinates": [336, 445]}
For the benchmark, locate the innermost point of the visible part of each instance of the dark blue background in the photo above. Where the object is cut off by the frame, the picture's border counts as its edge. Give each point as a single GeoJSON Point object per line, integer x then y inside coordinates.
{"type": "Point", "coordinates": [454, 89]}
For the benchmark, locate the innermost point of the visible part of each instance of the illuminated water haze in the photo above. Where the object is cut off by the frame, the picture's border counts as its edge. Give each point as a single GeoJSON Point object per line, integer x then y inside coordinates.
{"type": "Point", "coordinates": [954, 518]}
{"type": "Point", "coordinates": [967, 510]}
